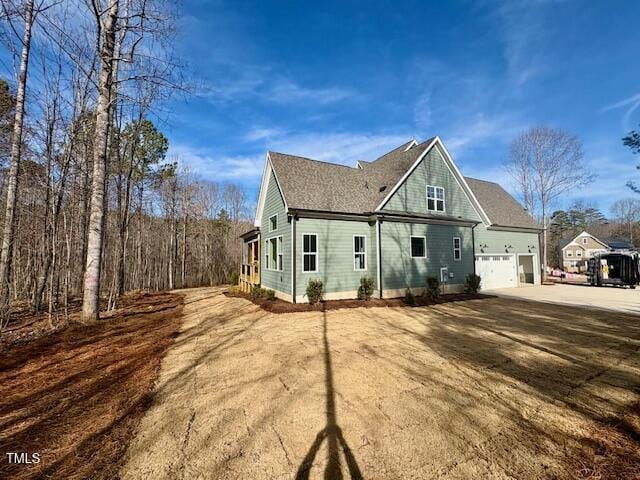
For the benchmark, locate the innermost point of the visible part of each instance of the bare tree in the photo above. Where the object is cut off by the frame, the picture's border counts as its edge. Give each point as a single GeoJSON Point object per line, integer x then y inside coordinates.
{"type": "Point", "coordinates": [107, 27]}
{"type": "Point", "coordinates": [546, 163]}
{"type": "Point", "coordinates": [14, 171]}
{"type": "Point", "coordinates": [627, 212]}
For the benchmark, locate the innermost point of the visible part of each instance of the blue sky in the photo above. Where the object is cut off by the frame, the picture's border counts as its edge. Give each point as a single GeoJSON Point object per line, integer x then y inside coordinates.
{"type": "Point", "coordinates": [341, 81]}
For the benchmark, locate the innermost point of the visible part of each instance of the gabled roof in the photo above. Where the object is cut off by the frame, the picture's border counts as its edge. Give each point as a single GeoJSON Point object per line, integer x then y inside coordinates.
{"type": "Point", "coordinates": [308, 184]}
{"type": "Point", "coordinates": [569, 240]}
{"type": "Point", "coordinates": [501, 208]}
{"type": "Point", "coordinates": [619, 243]}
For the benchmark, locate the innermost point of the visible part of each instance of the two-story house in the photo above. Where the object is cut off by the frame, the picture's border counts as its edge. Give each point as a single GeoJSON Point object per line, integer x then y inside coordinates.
{"type": "Point", "coordinates": [575, 252]}
{"type": "Point", "coordinates": [399, 219]}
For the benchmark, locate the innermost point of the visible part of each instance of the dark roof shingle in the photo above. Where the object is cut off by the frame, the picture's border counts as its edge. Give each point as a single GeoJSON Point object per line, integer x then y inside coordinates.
{"type": "Point", "coordinates": [501, 208]}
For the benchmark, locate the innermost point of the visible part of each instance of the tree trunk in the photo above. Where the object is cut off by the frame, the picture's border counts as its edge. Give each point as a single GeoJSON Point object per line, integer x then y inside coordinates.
{"type": "Point", "coordinates": [14, 171]}
{"type": "Point", "coordinates": [91, 295]}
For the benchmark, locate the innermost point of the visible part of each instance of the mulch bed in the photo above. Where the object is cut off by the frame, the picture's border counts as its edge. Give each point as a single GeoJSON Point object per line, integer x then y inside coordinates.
{"type": "Point", "coordinates": [280, 306]}
{"type": "Point", "coordinates": [76, 396]}
{"type": "Point", "coordinates": [614, 448]}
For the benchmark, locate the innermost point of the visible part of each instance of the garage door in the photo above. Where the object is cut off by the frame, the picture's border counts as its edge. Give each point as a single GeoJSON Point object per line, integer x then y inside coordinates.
{"type": "Point", "coordinates": [496, 271]}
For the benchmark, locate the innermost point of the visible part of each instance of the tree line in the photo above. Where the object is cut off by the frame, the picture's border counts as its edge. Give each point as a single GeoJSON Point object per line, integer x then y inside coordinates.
{"type": "Point", "coordinates": [92, 206]}
{"type": "Point", "coordinates": [546, 165]}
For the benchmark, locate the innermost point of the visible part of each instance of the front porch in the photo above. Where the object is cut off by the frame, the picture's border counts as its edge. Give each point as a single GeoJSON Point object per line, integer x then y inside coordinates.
{"type": "Point", "coordinates": [250, 267]}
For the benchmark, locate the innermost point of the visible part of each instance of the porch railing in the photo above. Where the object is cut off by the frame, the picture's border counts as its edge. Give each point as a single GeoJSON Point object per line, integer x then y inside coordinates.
{"type": "Point", "coordinates": [249, 276]}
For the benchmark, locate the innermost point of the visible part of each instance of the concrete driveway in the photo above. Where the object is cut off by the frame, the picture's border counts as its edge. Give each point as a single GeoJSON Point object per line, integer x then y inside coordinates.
{"type": "Point", "coordinates": [483, 389]}
{"type": "Point", "coordinates": [608, 298]}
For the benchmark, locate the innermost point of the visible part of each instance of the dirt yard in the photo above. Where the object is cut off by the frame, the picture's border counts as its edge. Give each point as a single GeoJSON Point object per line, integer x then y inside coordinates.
{"type": "Point", "coordinates": [76, 396]}
{"type": "Point", "coordinates": [493, 388]}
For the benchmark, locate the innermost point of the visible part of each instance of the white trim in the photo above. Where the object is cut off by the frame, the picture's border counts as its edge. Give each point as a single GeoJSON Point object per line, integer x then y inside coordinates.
{"type": "Point", "coordinates": [413, 143]}
{"type": "Point", "coordinates": [302, 254]}
{"type": "Point", "coordinates": [435, 199]}
{"type": "Point", "coordinates": [270, 228]}
{"type": "Point", "coordinates": [378, 270]}
{"type": "Point", "coordinates": [459, 249]}
{"type": "Point", "coordinates": [410, 245]}
{"type": "Point", "coordinates": [291, 245]}
{"type": "Point", "coordinates": [262, 195]}
{"type": "Point", "coordinates": [514, 260]}
{"type": "Point", "coordinates": [279, 253]}
{"type": "Point", "coordinates": [446, 278]}
{"type": "Point", "coordinates": [534, 261]}
{"type": "Point", "coordinates": [353, 246]}
{"type": "Point", "coordinates": [452, 168]}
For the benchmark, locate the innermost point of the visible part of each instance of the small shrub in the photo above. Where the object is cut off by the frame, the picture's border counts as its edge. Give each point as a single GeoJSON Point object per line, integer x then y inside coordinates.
{"type": "Point", "coordinates": [472, 283]}
{"type": "Point", "coordinates": [432, 292]}
{"type": "Point", "coordinates": [409, 298]}
{"type": "Point", "coordinates": [365, 290]}
{"type": "Point", "coordinates": [257, 292]}
{"type": "Point", "coordinates": [315, 289]}
{"type": "Point", "coordinates": [269, 295]}
{"type": "Point", "coordinates": [234, 278]}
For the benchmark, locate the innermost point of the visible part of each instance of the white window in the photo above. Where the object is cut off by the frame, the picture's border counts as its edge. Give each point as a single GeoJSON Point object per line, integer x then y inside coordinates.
{"type": "Point", "coordinates": [273, 254]}
{"type": "Point", "coordinates": [435, 198]}
{"type": "Point", "coordinates": [457, 250]}
{"type": "Point", "coordinates": [309, 252]}
{"type": "Point", "coordinates": [273, 222]}
{"type": "Point", "coordinates": [578, 253]}
{"type": "Point", "coordinates": [418, 247]}
{"type": "Point", "coordinates": [359, 252]}
{"type": "Point", "coordinates": [569, 253]}
{"type": "Point", "coordinates": [266, 255]}
{"type": "Point", "coordinates": [585, 240]}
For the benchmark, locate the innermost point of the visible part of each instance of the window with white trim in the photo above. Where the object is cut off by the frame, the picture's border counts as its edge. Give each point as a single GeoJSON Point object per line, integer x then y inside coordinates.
{"type": "Point", "coordinates": [359, 252]}
{"type": "Point", "coordinates": [273, 254]}
{"type": "Point", "coordinates": [569, 253]}
{"type": "Point", "coordinates": [267, 257]}
{"type": "Point", "coordinates": [578, 253]}
{"type": "Point", "coordinates": [418, 247]}
{"type": "Point", "coordinates": [435, 198]}
{"type": "Point", "coordinates": [585, 240]}
{"type": "Point", "coordinates": [457, 249]}
{"type": "Point", "coordinates": [273, 222]}
{"type": "Point", "coordinates": [309, 252]}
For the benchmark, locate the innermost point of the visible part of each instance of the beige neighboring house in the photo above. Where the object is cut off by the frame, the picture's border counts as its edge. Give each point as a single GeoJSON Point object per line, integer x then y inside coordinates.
{"type": "Point", "coordinates": [577, 251]}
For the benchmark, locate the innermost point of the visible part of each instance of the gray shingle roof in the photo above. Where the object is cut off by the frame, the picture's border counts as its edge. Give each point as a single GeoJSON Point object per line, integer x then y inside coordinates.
{"type": "Point", "coordinates": [501, 208]}
{"type": "Point", "coordinates": [309, 184]}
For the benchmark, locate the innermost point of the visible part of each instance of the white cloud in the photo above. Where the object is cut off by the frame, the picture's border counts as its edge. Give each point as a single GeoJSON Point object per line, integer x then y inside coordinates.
{"type": "Point", "coordinates": [342, 147]}
{"type": "Point", "coordinates": [284, 91]}
{"type": "Point", "coordinates": [206, 164]}
{"type": "Point", "coordinates": [481, 130]}
{"type": "Point", "coordinates": [631, 104]}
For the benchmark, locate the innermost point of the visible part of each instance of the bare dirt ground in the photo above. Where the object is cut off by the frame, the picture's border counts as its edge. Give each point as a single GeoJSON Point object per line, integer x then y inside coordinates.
{"type": "Point", "coordinates": [493, 388]}
{"type": "Point", "coordinates": [75, 396]}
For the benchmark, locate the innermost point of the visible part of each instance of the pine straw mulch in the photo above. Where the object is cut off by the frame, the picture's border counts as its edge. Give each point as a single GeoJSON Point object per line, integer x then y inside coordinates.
{"type": "Point", "coordinates": [280, 306]}
{"type": "Point", "coordinates": [77, 395]}
{"type": "Point", "coordinates": [614, 449]}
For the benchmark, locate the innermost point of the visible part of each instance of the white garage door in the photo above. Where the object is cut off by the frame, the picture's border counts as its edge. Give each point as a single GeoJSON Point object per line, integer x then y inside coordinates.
{"type": "Point", "coordinates": [496, 271]}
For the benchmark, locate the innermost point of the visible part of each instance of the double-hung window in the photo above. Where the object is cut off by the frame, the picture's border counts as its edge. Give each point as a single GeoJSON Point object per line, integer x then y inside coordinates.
{"type": "Point", "coordinates": [578, 253]}
{"type": "Point", "coordinates": [569, 253]}
{"type": "Point", "coordinates": [418, 247]}
{"type": "Point", "coordinates": [309, 252]}
{"type": "Point", "coordinates": [457, 249]}
{"type": "Point", "coordinates": [273, 254]}
{"type": "Point", "coordinates": [435, 198]}
{"type": "Point", "coordinates": [359, 252]}
{"type": "Point", "coordinates": [267, 257]}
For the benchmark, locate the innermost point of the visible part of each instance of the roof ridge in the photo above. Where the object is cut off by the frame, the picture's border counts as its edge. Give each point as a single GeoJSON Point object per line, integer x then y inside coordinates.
{"type": "Point", "coordinates": [314, 160]}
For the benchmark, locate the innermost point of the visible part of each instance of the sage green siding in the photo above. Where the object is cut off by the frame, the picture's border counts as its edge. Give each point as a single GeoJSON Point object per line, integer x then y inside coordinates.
{"type": "Point", "coordinates": [495, 241]}
{"type": "Point", "coordinates": [400, 270]}
{"type": "Point", "coordinates": [335, 253]}
{"type": "Point", "coordinates": [432, 170]}
{"type": "Point", "coordinates": [274, 205]}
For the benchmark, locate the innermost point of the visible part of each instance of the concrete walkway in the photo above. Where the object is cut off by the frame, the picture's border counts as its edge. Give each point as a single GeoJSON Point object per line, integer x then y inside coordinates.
{"type": "Point", "coordinates": [607, 298]}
